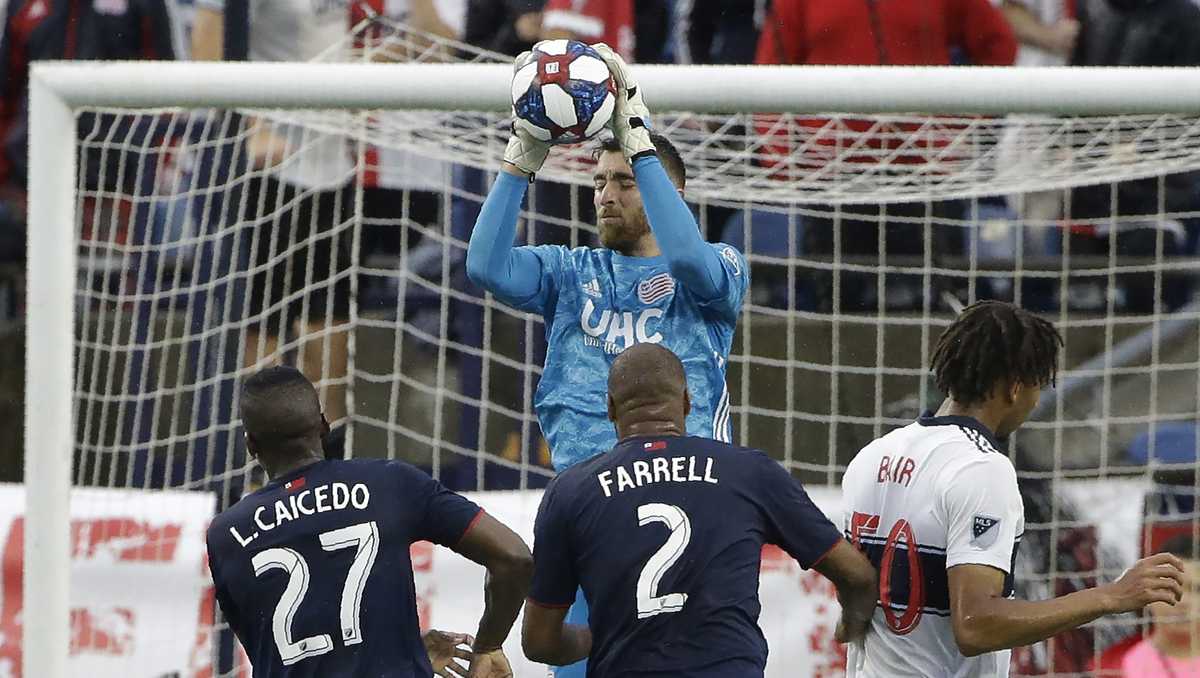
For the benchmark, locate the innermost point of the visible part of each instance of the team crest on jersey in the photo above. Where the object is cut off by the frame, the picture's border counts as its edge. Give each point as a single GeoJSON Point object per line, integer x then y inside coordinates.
{"type": "Point", "coordinates": [728, 254]}
{"type": "Point", "coordinates": [592, 288]}
{"type": "Point", "coordinates": [985, 530]}
{"type": "Point", "coordinates": [655, 288]}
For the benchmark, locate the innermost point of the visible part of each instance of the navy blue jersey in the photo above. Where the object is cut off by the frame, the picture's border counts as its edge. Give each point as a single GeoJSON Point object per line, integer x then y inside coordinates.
{"type": "Point", "coordinates": [313, 570]}
{"type": "Point", "coordinates": [665, 537]}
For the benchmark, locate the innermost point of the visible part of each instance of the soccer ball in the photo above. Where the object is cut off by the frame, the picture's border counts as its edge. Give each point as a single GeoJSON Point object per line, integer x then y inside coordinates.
{"type": "Point", "coordinates": [562, 92]}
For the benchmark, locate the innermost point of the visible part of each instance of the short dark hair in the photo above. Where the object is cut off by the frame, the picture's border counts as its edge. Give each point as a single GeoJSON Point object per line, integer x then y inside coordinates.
{"type": "Point", "coordinates": [993, 342]}
{"type": "Point", "coordinates": [280, 409]}
{"type": "Point", "coordinates": [668, 155]}
{"type": "Point", "coordinates": [1182, 545]}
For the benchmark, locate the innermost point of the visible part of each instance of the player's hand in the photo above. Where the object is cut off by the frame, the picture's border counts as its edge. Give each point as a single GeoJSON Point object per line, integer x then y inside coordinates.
{"type": "Point", "coordinates": [631, 118]}
{"type": "Point", "coordinates": [523, 151]}
{"type": "Point", "coordinates": [444, 648]}
{"type": "Point", "coordinates": [491, 664]}
{"type": "Point", "coordinates": [1157, 579]}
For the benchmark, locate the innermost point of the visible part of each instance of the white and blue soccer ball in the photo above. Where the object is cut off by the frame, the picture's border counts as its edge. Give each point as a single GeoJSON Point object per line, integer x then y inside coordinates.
{"type": "Point", "coordinates": [562, 92]}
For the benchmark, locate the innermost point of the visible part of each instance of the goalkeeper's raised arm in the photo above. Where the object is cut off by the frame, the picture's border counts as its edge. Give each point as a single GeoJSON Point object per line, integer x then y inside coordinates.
{"type": "Point", "coordinates": [639, 204]}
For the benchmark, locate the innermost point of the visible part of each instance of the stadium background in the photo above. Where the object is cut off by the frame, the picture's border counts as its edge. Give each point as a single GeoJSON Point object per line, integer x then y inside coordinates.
{"type": "Point", "coordinates": [858, 376]}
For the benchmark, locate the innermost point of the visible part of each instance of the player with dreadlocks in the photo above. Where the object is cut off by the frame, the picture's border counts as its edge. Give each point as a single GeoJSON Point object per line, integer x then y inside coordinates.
{"type": "Point", "coordinates": [935, 506]}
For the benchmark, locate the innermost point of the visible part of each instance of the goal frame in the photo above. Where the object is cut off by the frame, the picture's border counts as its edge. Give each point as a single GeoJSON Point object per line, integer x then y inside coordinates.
{"type": "Point", "coordinates": [58, 89]}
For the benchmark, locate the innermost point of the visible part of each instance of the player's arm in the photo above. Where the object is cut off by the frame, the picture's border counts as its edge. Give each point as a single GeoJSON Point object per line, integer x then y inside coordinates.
{"type": "Point", "coordinates": [980, 505]}
{"type": "Point", "coordinates": [691, 260]}
{"type": "Point", "coordinates": [545, 636]}
{"type": "Point", "coordinates": [857, 586]}
{"type": "Point", "coordinates": [493, 263]}
{"type": "Point", "coordinates": [801, 529]}
{"type": "Point", "coordinates": [985, 621]}
{"type": "Point", "coordinates": [509, 568]}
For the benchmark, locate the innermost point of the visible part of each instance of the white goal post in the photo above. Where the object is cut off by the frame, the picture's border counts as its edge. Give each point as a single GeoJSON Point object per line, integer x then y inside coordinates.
{"type": "Point", "coordinates": [57, 90]}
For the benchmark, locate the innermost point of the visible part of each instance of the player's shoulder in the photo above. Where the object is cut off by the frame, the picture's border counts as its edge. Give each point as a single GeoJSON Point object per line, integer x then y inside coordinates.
{"type": "Point", "coordinates": [380, 470]}
{"type": "Point", "coordinates": [731, 255]}
{"type": "Point", "coordinates": [962, 433]}
{"type": "Point", "coordinates": [576, 473]}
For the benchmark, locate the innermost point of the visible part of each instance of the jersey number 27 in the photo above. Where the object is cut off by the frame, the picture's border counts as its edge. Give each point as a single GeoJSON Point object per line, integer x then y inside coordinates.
{"type": "Point", "coordinates": [364, 537]}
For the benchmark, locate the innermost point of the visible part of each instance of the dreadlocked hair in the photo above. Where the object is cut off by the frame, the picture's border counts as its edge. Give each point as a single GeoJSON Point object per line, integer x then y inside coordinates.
{"type": "Point", "coordinates": [993, 343]}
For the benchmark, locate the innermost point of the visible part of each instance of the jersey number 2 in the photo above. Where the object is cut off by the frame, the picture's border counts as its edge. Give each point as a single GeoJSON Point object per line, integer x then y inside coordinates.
{"type": "Point", "coordinates": [649, 603]}
{"type": "Point", "coordinates": [364, 537]}
{"type": "Point", "coordinates": [866, 523]}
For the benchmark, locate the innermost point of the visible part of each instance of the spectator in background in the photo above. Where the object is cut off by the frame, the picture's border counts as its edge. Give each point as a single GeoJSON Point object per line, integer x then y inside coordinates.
{"type": "Point", "coordinates": [1047, 32]}
{"type": "Point", "coordinates": [505, 26]}
{"type": "Point", "coordinates": [898, 32]}
{"type": "Point", "coordinates": [607, 21]}
{"type": "Point", "coordinates": [36, 30]}
{"type": "Point", "coordinates": [1135, 33]}
{"type": "Point", "coordinates": [297, 191]}
{"type": "Point", "coordinates": [402, 189]}
{"type": "Point", "coordinates": [1045, 28]}
{"type": "Point", "coordinates": [1171, 649]}
{"type": "Point", "coordinates": [717, 31]}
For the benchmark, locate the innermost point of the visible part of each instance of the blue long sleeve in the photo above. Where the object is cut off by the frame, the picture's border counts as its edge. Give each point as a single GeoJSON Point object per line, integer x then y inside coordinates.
{"type": "Point", "coordinates": [691, 259]}
{"type": "Point", "coordinates": [493, 262]}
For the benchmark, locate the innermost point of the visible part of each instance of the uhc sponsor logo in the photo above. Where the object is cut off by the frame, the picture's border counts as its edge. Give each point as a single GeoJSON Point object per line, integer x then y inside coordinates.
{"type": "Point", "coordinates": [615, 331]}
{"type": "Point", "coordinates": [655, 288]}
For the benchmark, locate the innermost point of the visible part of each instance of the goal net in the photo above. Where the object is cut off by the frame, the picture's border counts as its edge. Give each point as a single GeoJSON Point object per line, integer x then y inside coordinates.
{"type": "Point", "coordinates": [214, 241]}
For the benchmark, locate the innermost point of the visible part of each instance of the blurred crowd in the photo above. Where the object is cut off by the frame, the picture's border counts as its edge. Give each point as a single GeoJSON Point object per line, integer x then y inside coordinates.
{"type": "Point", "coordinates": [903, 32]}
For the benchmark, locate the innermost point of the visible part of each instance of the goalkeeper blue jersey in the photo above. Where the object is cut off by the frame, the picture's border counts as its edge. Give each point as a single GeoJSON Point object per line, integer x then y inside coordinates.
{"type": "Point", "coordinates": [597, 303]}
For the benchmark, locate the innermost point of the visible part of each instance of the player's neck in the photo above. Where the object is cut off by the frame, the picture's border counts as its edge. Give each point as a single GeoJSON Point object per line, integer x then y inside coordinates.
{"type": "Point", "coordinates": [650, 429]}
{"type": "Point", "coordinates": [645, 247]}
{"type": "Point", "coordinates": [1175, 643]}
{"type": "Point", "coordinates": [984, 413]}
{"type": "Point", "coordinates": [284, 467]}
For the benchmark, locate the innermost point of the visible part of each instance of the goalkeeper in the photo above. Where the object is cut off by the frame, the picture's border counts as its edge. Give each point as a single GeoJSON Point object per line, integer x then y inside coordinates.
{"type": "Point", "coordinates": [654, 280]}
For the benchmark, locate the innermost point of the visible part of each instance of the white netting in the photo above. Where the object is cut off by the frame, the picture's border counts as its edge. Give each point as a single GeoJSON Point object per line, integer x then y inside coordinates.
{"type": "Point", "coordinates": [201, 256]}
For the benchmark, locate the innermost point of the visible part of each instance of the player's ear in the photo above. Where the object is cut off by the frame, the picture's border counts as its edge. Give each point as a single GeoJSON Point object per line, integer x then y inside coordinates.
{"type": "Point", "coordinates": [251, 444]}
{"type": "Point", "coordinates": [612, 410]}
{"type": "Point", "coordinates": [1014, 391]}
{"type": "Point", "coordinates": [324, 425]}
{"type": "Point", "coordinates": [687, 402]}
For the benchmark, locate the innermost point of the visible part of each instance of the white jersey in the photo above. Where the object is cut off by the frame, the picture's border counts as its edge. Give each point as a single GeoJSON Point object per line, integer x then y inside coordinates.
{"type": "Point", "coordinates": [920, 500]}
{"type": "Point", "coordinates": [302, 30]}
